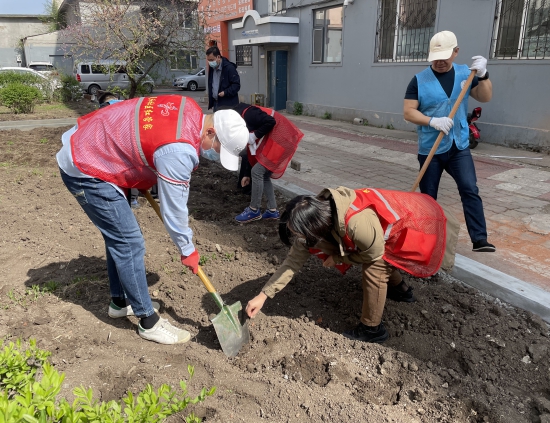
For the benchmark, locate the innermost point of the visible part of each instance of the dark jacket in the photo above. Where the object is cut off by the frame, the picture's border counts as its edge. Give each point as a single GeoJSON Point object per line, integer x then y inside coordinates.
{"type": "Point", "coordinates": [230, 84]}
{"type": "Point", "coordinates": [257, 121]}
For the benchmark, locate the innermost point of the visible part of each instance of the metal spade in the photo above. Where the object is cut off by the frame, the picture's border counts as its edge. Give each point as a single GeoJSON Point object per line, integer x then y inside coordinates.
{"type": "Point", "coordinates": [231, 334]}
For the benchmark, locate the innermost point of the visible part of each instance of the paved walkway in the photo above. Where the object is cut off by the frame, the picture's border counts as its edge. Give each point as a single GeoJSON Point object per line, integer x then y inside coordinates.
{"type": "Point", "coordinates": [515, 188]}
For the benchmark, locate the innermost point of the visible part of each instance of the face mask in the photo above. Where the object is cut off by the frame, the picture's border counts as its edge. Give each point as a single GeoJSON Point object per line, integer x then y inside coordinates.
{"type": "Point", "coordinates": [211, 155]}
{"type": "Point", "coordinates": [213, 64]}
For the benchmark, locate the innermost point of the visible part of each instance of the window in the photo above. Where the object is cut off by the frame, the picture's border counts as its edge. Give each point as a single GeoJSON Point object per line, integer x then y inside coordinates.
{"type": "Point", "coordinates": [244, 55]}
{"type": "Point", "coordinates": [327, 35]}
{"type": "Point", "coordinates": [521, 29]}
{"type": "Point", "coordinates": [277, 6]}
{"type": "Point", "coordinates": [183, 59]}
{"type": "Point", "coordinates": [100, 69]}
{"type": "Point", "coordinates": [404, 30]}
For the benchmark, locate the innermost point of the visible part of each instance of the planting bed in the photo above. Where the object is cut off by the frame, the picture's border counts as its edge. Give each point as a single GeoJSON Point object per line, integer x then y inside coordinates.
{"type": "Point", "coordinates": [453, 356]}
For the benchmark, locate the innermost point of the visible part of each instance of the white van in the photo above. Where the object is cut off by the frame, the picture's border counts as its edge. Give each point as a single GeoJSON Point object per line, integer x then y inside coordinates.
{"type": "Point", "coordinates": [45, 68]}
{"type": "Point", "coordinates": [106, 74]}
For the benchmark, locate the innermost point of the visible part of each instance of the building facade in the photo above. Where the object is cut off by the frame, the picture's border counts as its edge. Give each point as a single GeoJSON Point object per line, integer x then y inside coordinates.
{"type": "Point", "coordinates": [13, 28]}
{"type": "Point", "coordinates": [354, 59]}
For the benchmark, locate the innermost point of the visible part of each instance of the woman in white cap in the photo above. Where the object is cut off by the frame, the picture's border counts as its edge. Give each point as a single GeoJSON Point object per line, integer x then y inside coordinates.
{"type": "Point", "coordinates": [135, 144]}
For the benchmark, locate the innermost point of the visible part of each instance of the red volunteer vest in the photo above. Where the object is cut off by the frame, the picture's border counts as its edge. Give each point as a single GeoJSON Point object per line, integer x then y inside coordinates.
{"type": "Point", "coordinates": [414, 228]}
{"type": "Point", "coordinates": [116, 144]}
{"type": "Point", "coordinates": [278, 146]}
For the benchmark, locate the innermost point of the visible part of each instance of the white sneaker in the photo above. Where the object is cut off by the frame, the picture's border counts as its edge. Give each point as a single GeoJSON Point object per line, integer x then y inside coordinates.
{"type": "Point", "coordinates": [116, 312]}
{"type": "Point", "coordinates": [164, 333]}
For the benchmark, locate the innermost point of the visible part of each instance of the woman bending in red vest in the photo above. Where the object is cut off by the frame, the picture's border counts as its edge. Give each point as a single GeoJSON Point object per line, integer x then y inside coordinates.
{"type": "Point", "coordinates": [381, 230]}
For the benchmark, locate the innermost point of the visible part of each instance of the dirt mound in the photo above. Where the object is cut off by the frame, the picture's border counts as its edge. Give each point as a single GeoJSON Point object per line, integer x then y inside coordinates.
{"type": "Point", "coordinates": [453, 356]}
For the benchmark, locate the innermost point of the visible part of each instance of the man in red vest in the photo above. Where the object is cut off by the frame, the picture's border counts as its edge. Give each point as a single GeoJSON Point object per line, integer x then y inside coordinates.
{"type": "Point", "coordinates": [380, 230]}
{"type": "Point", "coordinates": [135, 144]}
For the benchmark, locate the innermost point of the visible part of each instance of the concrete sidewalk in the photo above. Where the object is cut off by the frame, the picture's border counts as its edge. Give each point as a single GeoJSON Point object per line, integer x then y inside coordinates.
{"type": "Point", "coordinates": [514, 187]}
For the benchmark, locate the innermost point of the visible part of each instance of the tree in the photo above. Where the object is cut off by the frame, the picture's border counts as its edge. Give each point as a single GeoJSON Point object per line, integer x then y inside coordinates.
{"type": "Point", "coordinates": [53, 16]}
{"type": "Point", "coordinates": [141, 34]}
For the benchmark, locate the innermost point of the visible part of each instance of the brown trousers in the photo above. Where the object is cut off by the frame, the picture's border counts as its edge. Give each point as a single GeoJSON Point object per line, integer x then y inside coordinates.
{"type": "Point", "coordinates": [376, 278]}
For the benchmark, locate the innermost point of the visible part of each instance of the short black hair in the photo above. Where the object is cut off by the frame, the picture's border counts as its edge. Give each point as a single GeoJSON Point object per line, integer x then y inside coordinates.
{"type": "Point", "coordinates": [308, 216]}
{"type": "Point", "coordinates": [104, 97]}
{"type": "Point", "coordinates": [213, 50]}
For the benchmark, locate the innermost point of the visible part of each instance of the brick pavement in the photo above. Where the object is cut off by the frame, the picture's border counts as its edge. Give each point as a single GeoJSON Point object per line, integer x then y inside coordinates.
{"type": "Point", "coordinates": [515, 194]}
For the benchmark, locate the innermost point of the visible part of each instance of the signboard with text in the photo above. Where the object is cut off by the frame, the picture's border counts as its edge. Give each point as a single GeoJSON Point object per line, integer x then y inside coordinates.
{"type": "Point", "coordinates": [217, 12]}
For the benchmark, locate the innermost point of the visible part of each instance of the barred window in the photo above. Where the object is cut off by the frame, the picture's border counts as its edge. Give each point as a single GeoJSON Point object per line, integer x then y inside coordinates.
{"type": "Point", "coordinates": [327, 35]}
{"type": "Point", "coordinates": [277, 6]}
{"type": "Point", "coordinates": [183, 60]}
{"type": "Point", "coordinates": [404, 30]}
{"type": "Point", "coordinates": [521, 29]}
{"type": "Point", "coordinates": [244, 55]}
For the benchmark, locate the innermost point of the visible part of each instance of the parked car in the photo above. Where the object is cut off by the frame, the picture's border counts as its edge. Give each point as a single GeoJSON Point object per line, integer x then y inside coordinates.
{"type": "Point", "coordinates": [45, 68]}
{"type": "Point", "coordinates": [52, 82]}
{"type": "Point", "coordinates": [107, 74]}
{"type": "Point", "coordinates": [193, 81]}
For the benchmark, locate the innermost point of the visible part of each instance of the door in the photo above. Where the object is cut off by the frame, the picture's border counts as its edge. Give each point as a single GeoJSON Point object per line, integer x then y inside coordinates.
{"type": "Point", "coordinates": [277, 72]}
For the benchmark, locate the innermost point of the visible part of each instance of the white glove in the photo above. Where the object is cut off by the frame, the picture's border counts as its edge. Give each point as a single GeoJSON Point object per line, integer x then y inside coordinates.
{"type": "Point", "coordinates": [442, 124]}
{"type": "Point", "coordinates": [479, 65]}
{"type": "Point", "coordinates": [252, 138]}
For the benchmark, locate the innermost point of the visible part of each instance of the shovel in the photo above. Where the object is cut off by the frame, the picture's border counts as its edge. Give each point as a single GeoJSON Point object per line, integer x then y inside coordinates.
{"type": "Point", "coordinates": [467, 84]}
{"type": "Point", "coordinates": [231, 334]}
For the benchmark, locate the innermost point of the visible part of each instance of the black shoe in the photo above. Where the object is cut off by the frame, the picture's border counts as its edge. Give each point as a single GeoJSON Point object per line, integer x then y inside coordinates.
{"type": "Point", "coordinates": [483, 246]}
{"type": "Point", "coordinates": [395, 293]}
{"type": "Point", "coordinates": [361, 332]}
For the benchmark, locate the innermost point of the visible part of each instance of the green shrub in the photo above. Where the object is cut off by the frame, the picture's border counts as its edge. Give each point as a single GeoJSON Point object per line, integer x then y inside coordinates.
{"type": "Point", "coordinates": [20, 98]}
{"type": "Point", "coordinates": [298, 108]}
{"type": "Point", "coordinates": [25, 78]}
{"type": "Point", "coordinates": [70, 89]}
{"type": "Point", "coordinates": [327, 115]}
{"type": "Point", "coordinates": [23, 398]}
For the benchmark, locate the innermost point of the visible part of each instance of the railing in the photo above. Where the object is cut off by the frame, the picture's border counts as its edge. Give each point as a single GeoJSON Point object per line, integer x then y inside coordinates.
{"type": "Point", "coordinates": [404, 30]}
{"type": "Point", "coordinates": [521, 30]}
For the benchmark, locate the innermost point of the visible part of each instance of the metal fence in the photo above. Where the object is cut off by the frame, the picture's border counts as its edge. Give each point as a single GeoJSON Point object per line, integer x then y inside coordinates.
{"type": "Point", "coordinates": [521, 29]}
{"type": "Point", "coordinates": [404, 29]}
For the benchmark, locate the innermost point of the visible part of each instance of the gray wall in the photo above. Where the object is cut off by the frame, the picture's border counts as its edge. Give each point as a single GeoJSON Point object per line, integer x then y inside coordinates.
{"type": "Point", "coordinates": [12, 30]}
{"type": "Point", "coordinates": [360, 87]}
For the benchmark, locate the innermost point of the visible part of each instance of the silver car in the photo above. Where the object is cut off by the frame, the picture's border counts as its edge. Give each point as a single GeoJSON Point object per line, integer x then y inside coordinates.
{"type": "Point", "coordinates": [107, 74]}
{"type": "Point", "coordinates": [192, 81]}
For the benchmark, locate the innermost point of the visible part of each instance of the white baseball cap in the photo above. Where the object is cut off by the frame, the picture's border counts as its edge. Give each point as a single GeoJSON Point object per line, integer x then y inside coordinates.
{"type": "Point", "coordinates": [442, 45]}
{"type": "Point", "coordinates": [233, 135]}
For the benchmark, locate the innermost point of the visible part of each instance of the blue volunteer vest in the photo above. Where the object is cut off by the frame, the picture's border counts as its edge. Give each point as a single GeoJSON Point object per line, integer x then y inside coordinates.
{"type": "Point", "coordinates": [435, 103]}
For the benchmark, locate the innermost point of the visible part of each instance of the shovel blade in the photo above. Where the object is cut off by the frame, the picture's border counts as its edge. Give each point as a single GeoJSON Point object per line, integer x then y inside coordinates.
{"type": "Point", "coordinates": [231, 334]}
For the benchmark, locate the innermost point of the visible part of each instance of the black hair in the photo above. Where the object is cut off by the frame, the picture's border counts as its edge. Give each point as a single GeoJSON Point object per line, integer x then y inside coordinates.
{"type": "Point", "coordinates": [213, 50]}
{"type": "Point", "coordinates": [308, 216]}
{"type": "Point", "coordinates": [103, 97]}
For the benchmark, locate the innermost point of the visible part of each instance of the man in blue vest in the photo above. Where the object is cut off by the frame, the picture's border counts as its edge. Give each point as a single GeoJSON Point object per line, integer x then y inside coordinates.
{"type": "Point", "coordinates": [429, 99]}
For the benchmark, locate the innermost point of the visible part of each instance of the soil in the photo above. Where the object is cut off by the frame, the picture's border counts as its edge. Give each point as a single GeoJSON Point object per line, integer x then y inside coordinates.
{"type": "Point", "coordinates": [454, 356]}
{"type": "Point", "coordinates": [71, 109]}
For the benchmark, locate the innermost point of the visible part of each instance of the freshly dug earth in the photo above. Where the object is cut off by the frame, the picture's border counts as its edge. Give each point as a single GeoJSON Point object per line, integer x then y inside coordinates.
{"type": "Point", "coordinates": [453, 356]}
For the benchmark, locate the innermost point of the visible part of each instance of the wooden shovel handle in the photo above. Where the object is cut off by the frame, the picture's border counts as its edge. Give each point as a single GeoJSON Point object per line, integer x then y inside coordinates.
{"type": "Point", "coordinates": [209, 287]}
{"type": "Point", "coordinates": [442, 134]}
{"type": "Point", "coordinates": [153, 203]}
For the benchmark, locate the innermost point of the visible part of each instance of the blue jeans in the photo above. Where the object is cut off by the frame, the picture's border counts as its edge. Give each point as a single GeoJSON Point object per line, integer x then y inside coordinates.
{"type": "Point", "coordinates": [110, 212]}
{"type": "Point", "coordinates": [460, 165]}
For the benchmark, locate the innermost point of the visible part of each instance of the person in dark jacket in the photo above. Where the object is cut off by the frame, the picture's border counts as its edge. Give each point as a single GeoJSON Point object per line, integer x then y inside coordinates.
{"type": "Point", "coordinates": [224, 82]}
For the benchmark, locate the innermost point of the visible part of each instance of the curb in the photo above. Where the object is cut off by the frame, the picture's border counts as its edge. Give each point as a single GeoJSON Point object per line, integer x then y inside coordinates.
{"type": "Point", "coordinates": [477, 275]}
